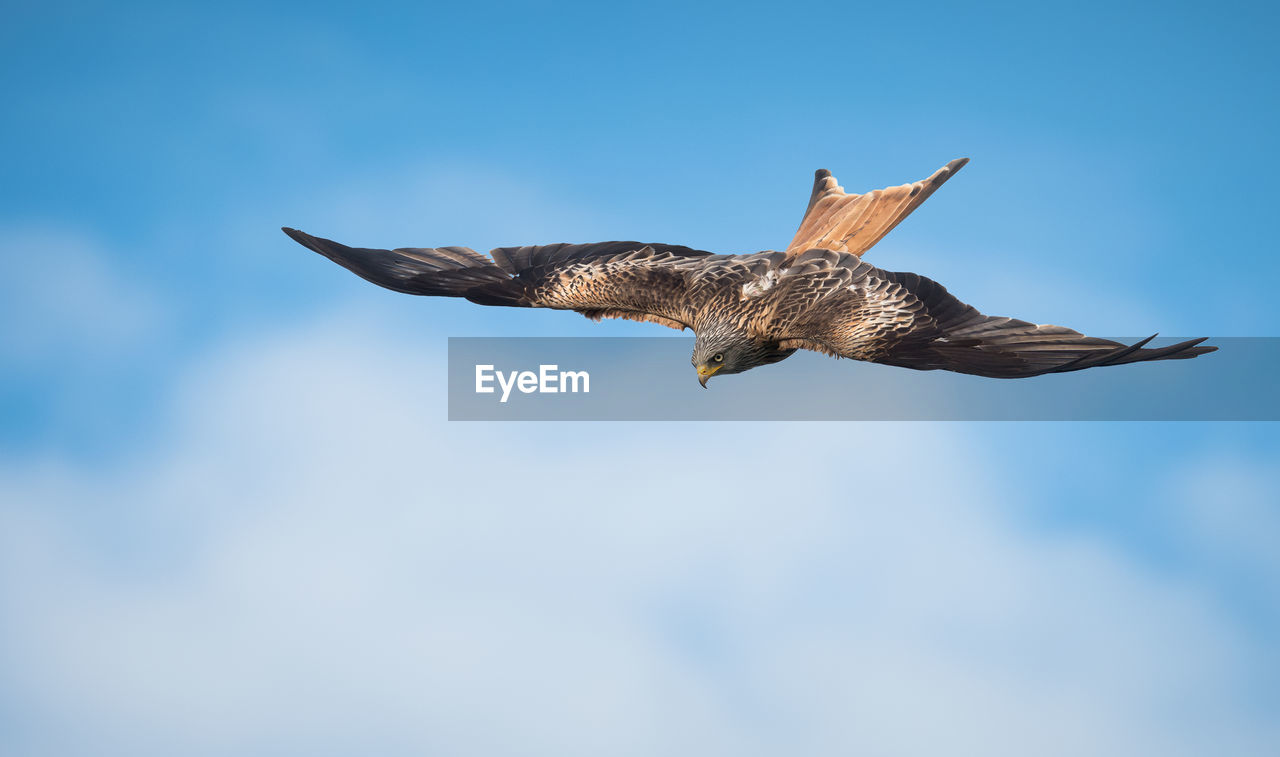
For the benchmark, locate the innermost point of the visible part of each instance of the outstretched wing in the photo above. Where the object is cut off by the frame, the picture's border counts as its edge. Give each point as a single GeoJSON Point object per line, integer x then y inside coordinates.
{"type": "Point", "coordinates": [847, 308]}
{"type": "Point", "coordinates": [853, 223]}
{"type": "Point", "coordinates": [644, 282]}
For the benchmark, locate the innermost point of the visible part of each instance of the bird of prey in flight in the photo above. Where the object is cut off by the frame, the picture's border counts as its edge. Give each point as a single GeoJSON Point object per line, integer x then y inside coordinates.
{"type": "Point", "coordinates": [756, 309]}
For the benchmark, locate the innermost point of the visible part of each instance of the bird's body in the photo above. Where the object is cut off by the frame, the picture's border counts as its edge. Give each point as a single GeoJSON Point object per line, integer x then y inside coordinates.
{"type": "Point", "coordinates": [756, 309]}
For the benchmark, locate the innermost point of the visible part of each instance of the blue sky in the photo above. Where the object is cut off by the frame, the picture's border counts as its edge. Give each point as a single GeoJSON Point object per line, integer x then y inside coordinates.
{"type": "Point", "coordinates": [224, 464]}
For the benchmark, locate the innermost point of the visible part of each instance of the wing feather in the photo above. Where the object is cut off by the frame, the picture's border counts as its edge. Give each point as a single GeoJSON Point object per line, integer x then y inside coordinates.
{"type": "Point", "coordinates": [644, 282]}
{"type": "Point", "coordinates": [910, 321]}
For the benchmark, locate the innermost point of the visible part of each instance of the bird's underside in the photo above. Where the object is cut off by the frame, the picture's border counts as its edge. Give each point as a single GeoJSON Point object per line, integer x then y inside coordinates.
{"type": "Point", "coordinates": [749, 310]}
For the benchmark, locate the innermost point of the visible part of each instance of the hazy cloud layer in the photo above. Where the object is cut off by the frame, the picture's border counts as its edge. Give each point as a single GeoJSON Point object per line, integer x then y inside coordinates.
{"type": "Point", "coordinates": [313, 562]}
{"type": "Point", "coordinates": [65, 302]}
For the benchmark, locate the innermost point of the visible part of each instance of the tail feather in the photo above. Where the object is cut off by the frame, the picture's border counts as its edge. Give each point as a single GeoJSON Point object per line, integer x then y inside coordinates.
{"type": "Point", "coordinates": [853, 223]}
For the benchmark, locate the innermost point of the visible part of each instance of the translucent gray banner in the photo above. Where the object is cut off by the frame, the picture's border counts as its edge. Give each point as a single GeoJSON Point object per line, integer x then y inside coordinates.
{"type": "Point", "coordinates": [650, 379]}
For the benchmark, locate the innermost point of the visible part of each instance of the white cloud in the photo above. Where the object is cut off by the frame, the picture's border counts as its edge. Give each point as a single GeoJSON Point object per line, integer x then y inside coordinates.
{"type": "Point", "coordinates": [316, 562]}
{"type": "Point", "coordinates": [1228, 505]}
{"type": "Point", "coordinates": [59, 298]}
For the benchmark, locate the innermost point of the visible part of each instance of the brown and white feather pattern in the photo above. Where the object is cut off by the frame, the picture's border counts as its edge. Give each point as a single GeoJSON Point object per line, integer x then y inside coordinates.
{"type": "Point", "coordinates": [853, 223]}
{"type": "Point", "coordinates": [822, 298]}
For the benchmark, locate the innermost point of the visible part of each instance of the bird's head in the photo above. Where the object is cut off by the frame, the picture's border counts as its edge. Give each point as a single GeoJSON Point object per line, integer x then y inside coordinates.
{"type": "Point", "coordinates": [719, 352]}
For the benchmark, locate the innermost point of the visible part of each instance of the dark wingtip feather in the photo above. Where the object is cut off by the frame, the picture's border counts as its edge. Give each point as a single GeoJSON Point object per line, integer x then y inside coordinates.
{"type": "Point", "coordinates": [335, 251]}
{"type": "Point", "coordinates": [302, 238]}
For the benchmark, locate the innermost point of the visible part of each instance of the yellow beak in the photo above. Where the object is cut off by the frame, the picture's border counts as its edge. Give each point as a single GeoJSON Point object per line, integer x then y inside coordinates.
{"type": "Point", "coordinates": [705, 372]}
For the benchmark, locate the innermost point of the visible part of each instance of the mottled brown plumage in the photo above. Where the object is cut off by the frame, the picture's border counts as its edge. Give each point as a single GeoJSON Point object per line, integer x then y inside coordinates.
{"type": "Point", "coordinates": [756, 309]}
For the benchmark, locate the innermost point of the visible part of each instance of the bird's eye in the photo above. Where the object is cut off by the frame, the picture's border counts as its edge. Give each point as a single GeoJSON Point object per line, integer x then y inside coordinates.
{"type": "Point", "coordinates": [718, 357]}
